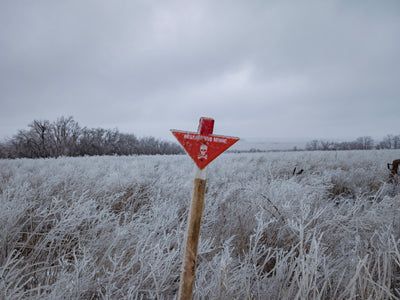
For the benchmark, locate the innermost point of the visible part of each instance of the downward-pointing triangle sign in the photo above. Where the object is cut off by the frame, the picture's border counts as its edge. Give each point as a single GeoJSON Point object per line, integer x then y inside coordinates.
{"type": "Point", "coordinates": [203, 147]}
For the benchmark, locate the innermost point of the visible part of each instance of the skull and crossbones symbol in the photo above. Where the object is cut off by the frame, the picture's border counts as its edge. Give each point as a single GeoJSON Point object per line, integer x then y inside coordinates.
{"type": "Point", "coordinates": [203, 151]}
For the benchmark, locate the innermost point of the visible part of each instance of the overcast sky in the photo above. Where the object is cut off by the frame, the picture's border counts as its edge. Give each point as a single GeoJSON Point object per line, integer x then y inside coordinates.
{"type": "Point", "coordinates": [287, 69]}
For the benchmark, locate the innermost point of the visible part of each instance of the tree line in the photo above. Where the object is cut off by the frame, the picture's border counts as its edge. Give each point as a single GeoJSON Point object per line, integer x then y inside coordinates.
{"type": "Point", "coordinates": [362, 143]}
{"type": "Point", "coordinates": [65, 137]}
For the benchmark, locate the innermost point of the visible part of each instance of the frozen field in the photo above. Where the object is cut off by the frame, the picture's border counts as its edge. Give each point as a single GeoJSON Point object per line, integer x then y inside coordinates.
{"type": "Point", "coordinates": [113, 227]}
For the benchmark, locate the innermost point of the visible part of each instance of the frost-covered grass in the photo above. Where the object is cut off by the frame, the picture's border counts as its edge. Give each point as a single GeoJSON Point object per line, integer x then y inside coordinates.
{"type": "Point", "coordinates": [113, 227]}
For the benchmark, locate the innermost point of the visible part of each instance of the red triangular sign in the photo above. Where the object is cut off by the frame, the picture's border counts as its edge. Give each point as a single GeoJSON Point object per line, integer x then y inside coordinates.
{"type": "Point", "coordinates": [203, 149]}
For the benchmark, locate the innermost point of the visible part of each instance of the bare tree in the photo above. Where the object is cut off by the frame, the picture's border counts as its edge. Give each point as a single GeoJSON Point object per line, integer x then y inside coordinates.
{"type": "Point", "coordinates": [65, 132]}
{"type": "Point", "coordinates": [396, 142]}
{"type": "Point", "coordinates": [33, 143]}
{"type": "Point", "coordinates": [365, 143]}
{"type": "Point", "coordinates": [40, 136]}
{"type": "Point", "coordinates": [387, 142]}
{"type": "Point", "coordinates": [128, 144]}
{"type": "Point", "coordinates": [90, 141]}
{"type": "Point", "coordinates": [3, 150]}
{"type": "Point", "coordinates": [326, 145]}
{"type": "Point", "coordinates": [313, 145]}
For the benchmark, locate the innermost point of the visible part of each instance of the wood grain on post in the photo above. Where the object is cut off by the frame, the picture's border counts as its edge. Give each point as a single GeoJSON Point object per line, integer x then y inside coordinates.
{"type": "Point", "coordinates": [192, 240]}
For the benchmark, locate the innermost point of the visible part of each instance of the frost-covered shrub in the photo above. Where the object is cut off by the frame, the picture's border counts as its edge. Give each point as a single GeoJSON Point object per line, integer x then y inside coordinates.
{"type": "Point", "coordinates": [113, 227]}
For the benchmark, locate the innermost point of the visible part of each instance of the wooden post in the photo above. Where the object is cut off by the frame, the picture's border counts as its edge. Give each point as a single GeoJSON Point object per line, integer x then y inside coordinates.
{"type": "Point", "coordinates": [206, 127]}
{"type": "Point", "coordinates": [192, 236]}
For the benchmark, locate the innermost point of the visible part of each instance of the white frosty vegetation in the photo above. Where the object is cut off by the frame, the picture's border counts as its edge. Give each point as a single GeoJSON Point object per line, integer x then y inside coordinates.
{"type": "Point", "coordinates": [113, 227]}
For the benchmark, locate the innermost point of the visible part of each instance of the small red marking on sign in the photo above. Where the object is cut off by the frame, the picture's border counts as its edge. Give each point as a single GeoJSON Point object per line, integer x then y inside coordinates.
{"type": "Point", "coordinates": [203, 149]}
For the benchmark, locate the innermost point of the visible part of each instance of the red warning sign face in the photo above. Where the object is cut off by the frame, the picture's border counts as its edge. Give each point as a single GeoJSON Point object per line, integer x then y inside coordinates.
{"type": "Point", "coordinates": [203, 149]}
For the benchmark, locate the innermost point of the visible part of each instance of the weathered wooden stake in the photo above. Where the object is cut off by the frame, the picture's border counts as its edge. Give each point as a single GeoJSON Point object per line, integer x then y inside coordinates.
{"type": "Point", "coordinates": [192, 236]}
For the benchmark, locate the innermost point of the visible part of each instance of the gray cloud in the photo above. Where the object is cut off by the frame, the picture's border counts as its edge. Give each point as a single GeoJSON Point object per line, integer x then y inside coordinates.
{"type": "Point", "coordinates": [262, 68]}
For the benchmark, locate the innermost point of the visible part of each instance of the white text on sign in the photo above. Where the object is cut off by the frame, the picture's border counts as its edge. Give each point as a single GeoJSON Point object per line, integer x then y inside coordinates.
{"type": "Point", "coordinates": [205, 138]}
